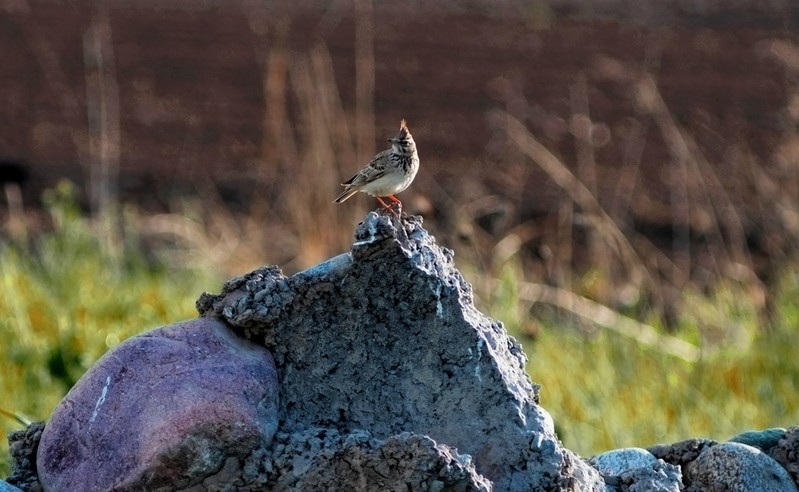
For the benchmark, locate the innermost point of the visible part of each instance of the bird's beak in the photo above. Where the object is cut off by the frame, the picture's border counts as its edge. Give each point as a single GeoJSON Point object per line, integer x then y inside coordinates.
{"type": "Point", "coordinates": [392, 140]}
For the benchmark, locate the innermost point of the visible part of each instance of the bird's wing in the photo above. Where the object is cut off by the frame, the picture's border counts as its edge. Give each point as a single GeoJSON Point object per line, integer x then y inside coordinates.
{"type": "Point", "coordinates": [349, 181]}
{"type": "Point", "coordinates": [374, 170]}
{"type": "Point", "coordinates": [368, 175]}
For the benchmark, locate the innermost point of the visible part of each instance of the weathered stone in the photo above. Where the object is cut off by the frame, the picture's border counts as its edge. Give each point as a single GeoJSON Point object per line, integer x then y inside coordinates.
{"type": "Point", "coordinates": [636, 469]}
{"type": "Point", "coordinates": [763, 440]}
{"type": "Point", "coordinates": [735, 467]}
{"type": "Point", "coordinates": [386, 339]}
{"type": "Point", "coordinates": [324, 459]}
{"type": "Point", "coordinates": [786, 452]}
{"type": "Point", "coordinates": [681, 453]}
{"type": "Point", "coordinates": [163, 409]}
{"type": "Point", "coordinates": [618, 461]}
{"type": "Point", "coordinates": [23, 446]}
{"type": "Point", "coordinates": [403, 462]}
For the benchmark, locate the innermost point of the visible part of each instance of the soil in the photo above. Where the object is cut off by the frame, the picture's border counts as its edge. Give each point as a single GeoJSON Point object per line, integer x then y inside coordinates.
{"type": "Point", "coordinates": [191, 95]}
{"type": "Point", "coordinates": [191, 84]}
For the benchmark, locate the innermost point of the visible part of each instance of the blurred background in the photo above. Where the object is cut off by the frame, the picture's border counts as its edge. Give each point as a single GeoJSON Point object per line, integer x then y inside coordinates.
{"type": "Point", "coordinates": [619, 181]}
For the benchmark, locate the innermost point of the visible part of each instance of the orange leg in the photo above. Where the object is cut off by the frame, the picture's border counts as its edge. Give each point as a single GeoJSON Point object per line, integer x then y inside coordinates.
{"type": "Point", "coordinates": [389, 207]}
{"type": "Point", "coordinates": [399, 203]}
{"type": "Point", "coordinates": [384, 204]}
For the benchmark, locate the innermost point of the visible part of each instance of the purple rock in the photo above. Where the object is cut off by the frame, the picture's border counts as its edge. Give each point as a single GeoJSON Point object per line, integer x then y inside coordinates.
{"type": "Point", "coordinates": [166, 408]}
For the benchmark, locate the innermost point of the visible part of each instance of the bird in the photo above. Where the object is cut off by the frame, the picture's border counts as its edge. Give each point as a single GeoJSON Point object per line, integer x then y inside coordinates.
{"type": "Point", "coordinates": [388, 173]}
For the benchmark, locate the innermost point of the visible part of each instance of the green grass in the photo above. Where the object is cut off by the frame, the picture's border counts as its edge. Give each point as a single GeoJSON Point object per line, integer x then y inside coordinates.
{"type": "Point", "coordinates": [607, 391]}
{"type": "Point", "coordinates": [68, 298]}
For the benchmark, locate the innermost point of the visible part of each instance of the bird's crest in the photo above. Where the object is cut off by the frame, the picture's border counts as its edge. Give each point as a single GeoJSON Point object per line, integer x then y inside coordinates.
{"type": "Point", "coordinates": [403, 137]}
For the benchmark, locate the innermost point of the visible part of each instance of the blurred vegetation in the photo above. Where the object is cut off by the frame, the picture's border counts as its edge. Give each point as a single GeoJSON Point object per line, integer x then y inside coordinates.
{"type": "Point", "coordinates": [606, 390]}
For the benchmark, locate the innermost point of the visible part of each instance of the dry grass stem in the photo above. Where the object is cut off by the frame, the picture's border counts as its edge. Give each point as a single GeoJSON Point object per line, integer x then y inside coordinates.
{"type": "Point", "coordinates": [609, 319]}
{"type": "Point", "coordinates": [582, 196]}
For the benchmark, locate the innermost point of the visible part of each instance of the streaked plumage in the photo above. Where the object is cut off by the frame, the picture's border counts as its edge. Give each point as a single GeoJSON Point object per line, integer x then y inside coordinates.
{"type": "Point", "coordinates": [388, 173]}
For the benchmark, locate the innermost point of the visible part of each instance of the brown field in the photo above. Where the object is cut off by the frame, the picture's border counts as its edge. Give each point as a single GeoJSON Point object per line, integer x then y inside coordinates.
{"type": "Point", "coordinates": [672, 128]}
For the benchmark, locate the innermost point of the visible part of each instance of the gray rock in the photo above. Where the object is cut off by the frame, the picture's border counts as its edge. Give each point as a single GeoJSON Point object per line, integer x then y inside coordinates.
{"type": "Point", "coordinates": [618, 461]}
{"type": "Point", "coordinates": [386, 339]}
{"type": "Point", "coordinates": [403, 462]}
{"type": "Point", "coordinates": [324, 459]}
{"type": "Point", "coordinates": [683, 452]}
{"type": "Point", "coordinates": [786, 452]}
{"type": "Point", "coordinates": [23, 446]}
{"type": "Point", "coordinates": [636, 469]}
{"type": "Point", "coordinates": [167, 408]}
{"type": "Point", "coordinates": [763, 440]}
{"type": "Point", "coordinates": [735, 467]}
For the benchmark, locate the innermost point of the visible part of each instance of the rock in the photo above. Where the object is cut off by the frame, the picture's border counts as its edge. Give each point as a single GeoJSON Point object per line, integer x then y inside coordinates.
{"type": "Point", "coordinates": [763, 440]}
{"type": "Point", "coordinates": [323, 459]}
{"type": "Point", "coordinates": [636, 469]}
{"type": "Point", "coordinates": [386, 340]}
{"type": "Point", "coordinates": [786, 452]}
{"type": "Point", "coordinates": [683, 452]}
{"type": "Point", "coordinates": [166, 408]}
{"type": "Point", "coordinates": [618, 461]}
{"type": "Point", "coordinates": [23, 446]}
{"type": "Point", "coordinates": [402, 462]}
{"type": "Point", "coordinates": [735, 467]}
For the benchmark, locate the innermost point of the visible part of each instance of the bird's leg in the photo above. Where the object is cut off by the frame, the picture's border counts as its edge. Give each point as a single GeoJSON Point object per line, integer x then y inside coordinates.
{"type": "Point", "coordinates": [384, 204]}
{"type": "Point", "coordinates": [399, 203]}
{"type": "Point", "coordinates": [388, 206]}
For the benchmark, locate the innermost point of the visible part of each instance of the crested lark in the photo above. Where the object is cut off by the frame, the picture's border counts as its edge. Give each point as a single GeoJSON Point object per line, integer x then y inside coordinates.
{"type": "Point", "coordinates": [388, 173]}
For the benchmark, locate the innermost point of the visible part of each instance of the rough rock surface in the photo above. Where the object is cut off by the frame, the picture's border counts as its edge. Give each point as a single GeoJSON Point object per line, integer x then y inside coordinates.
{"type": "Point", "coordinates": [786, 452]}
{"type": "Point", "coordinates": [637, 470]}
{"type": "Point", "coordinates": [23, 445]}
{"type": "Point", "coordinates": [620, 460]}
{"type": "Point", "coordinates": [324, 459]}
{"type": "Point", "coordinates": [683, 452]}
{"type": "Point", "coordinates": [763, 440]}
{"type": "Point", "coordinates": [736, 467]}
{"type": "Point", "coordinates": [386, 340]}
{"type": "Point", "coordinates": [167, 408]}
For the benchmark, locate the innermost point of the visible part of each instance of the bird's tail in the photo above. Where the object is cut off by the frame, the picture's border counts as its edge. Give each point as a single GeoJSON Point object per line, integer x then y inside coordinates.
{"type": "Point", "coordinates": [348, 192]}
